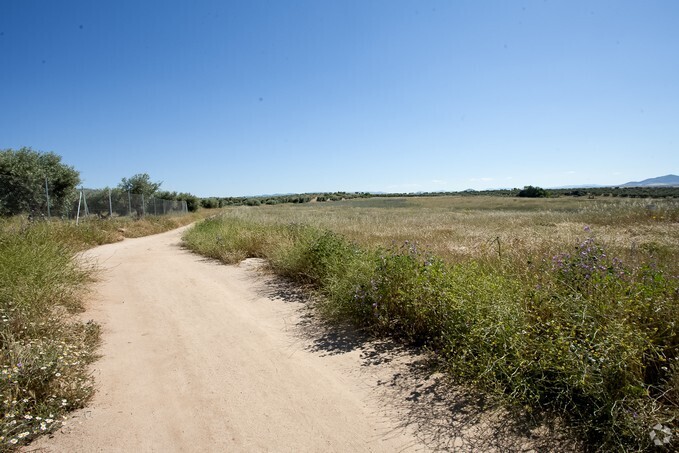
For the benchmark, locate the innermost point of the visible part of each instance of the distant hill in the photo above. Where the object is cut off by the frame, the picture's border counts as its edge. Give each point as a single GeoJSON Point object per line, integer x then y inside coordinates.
{"type": "Point", "coordinates": [661, 181]}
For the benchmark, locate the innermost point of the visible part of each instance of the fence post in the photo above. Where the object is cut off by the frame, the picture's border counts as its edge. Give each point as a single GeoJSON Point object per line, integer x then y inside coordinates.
{"type": "Point", "coordinates": [129, 204]}
{"type": "Point", "coordinates": [47, 195]}
{"type": "Point", "coordinates": [77, 216]}
{"type": "Point", "coordinates": [155, 210]}
{"type": "Point", "coordinates": [87, 211]}
{"type": "Point", "coordinates": [143, 206]}
{"type": "Point", "coordinates": [110, 205]}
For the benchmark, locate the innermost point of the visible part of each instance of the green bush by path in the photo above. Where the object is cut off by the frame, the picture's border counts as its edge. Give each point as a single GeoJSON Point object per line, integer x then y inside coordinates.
{"type": "Point", "coordinates": [581, 334]}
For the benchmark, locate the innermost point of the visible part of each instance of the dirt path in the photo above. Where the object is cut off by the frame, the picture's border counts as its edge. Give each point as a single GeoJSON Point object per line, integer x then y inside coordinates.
{"type": "Point", "coordinates": [198, 356]}
{"type": "Point", "coordinates": [201, 357]}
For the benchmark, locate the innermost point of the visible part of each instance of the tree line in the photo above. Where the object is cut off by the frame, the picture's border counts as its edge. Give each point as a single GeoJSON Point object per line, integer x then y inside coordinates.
{"type": "Point", "coordinates": [34, 182]}
{"type": "Point", "coordinates": [29, 178]}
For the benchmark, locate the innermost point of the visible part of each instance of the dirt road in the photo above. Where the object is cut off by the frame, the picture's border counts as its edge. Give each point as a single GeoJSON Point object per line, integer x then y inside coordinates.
{"type": "Point", "coordinates": [198, 356]}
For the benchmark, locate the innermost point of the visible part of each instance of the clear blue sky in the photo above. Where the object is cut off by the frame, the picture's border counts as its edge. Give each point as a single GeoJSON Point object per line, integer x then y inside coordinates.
{"type": "Point", "coordinates": [233, 98]}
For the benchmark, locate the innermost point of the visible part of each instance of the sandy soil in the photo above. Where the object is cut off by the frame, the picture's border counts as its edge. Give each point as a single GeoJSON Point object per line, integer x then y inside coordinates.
{"type": "Point", "coordinates": [199, 356]}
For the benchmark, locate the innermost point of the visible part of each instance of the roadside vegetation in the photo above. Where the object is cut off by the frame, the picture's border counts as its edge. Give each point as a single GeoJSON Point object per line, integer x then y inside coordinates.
{"type": "Point", "coordinates": [45, 347]}
{"type": "Point", "coordinates": [561, 307]}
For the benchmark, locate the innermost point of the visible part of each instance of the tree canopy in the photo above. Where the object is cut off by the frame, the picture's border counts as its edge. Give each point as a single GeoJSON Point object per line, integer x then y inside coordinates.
{"type": "Point", "coordinates": [140, 184]}
{"type": "Point", "coordinates": [532, 192]}
{"type": "Point", "coordinates": [23, 175]}
{"type": "Point", "coordinates": [192, 201]}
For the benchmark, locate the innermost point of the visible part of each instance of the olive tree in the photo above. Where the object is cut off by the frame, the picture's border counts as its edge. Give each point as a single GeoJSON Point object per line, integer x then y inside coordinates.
{"type": "Point", "coordinates": [140, 184]}
{"type": "Point", "coordinates": [24, 173]}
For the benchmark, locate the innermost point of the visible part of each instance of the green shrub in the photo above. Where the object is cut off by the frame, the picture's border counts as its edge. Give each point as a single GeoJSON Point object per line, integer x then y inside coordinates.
{"type": "Point", "coordinates": [330, 263]}
{"type": "Point", "coordinates": [607, 344]}
{"type": "Point", "coordinates": [209, 203]}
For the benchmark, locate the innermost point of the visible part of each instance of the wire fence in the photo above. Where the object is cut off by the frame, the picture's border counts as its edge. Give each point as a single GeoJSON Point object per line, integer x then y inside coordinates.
{"type": "Point", "coordinates": [115, 202]}
{"type": "Point", "coordinates": [40, 199]}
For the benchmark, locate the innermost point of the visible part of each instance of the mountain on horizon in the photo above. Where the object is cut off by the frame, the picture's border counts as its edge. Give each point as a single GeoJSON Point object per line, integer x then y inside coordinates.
{"type": "Point", "coordinates": [661, 181]}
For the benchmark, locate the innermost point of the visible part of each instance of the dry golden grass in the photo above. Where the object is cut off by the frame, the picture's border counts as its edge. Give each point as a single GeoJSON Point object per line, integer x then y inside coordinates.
{"type": "Point", "coordinates": [457, 228]}
{"type": "Point", "coordinates": [92, 232]}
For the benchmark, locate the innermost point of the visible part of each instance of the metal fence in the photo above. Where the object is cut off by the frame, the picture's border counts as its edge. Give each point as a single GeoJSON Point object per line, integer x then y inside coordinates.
{"type": "Point", "coordinates": [117, 203]}
{"type": "Point", "coordinates": [35, 198]}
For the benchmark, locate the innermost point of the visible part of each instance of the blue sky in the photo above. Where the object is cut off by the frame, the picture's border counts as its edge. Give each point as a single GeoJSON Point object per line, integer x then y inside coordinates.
{"type": "Point", "coordinates": [233, 98]}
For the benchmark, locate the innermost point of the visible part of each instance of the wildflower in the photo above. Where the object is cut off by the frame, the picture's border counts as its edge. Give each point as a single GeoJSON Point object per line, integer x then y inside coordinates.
{"type": "Point", "coordinates": [24, 434]}
{"type": "Point", "coordinates": [13, 441]}
{"type": "Point", "coordinates": [660, 435]}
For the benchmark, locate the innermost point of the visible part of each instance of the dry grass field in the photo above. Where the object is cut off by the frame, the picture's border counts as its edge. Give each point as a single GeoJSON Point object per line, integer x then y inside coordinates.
{"type": "Point", "coordinates": [459, 228]}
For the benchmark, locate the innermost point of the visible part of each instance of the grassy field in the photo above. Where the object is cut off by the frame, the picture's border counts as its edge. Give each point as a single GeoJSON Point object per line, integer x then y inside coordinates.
{"type": "Point", "coordinates": [45, 349]}
{"type": "Point", "coordinates": [561, 306]}
{"type": "Point", "coordinates": [462, 228]}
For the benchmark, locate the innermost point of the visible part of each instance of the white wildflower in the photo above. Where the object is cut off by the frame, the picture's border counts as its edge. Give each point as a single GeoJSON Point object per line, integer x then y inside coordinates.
{"type": "Point", "coordinates": [660, 435]}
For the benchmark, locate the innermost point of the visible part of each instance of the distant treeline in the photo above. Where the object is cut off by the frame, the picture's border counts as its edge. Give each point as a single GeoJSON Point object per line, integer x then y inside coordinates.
{"type": "Point", "coordinates": [214, 202]}
{"type": "Point", "coordinates": [632, 192]}
{"type": "Point", "coordinates": [628, 192]}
